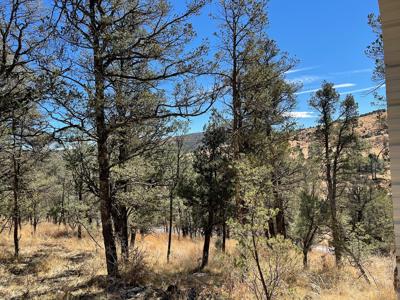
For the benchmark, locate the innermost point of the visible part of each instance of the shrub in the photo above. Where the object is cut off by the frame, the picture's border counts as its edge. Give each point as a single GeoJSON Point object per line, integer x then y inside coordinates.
{"type": "Point", "coordinates": [135, 271]}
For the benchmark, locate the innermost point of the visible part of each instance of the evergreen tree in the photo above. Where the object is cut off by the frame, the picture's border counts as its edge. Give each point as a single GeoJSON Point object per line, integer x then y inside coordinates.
{"type": "Point", "coordinates": [337, 141]}
{"type": "Point", "coordinates": [111, 46]}
{"type": "Point", "coordinates": [25, 145]}
{"type": "Point", "coordinates": [212, 165]}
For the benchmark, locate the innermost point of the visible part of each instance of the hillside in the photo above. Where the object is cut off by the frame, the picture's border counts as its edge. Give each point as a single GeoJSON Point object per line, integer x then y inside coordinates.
{"type": "Point", "coordinates": [370, 127]}
{"type": "Point", "coordinates": [192, 141]}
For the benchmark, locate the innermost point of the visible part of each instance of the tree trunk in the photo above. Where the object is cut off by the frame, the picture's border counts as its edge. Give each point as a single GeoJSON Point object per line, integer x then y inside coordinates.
{"type": "Point", "coordinates": [280, 216]}
{"type": "Point", "coordinates": [305, 258]}
{"type": "Point", "coordinates": [223, 235]}
{"type": "Point", "coordinates": [80, 198]}
{"type": "Point", "coordinates": [331, 184]}
{"type": "Point", "coordinates": [207, 237]}
{"type": "Point", "coordinates": [79, 231]}
{"type": "Point", "coordinates": [35, 223]}
{"type": "Point", "coordinates": [271, 228]}
{"type": "Point", "coordinates": [16, 171]}
{"type": "Point", "coordinates": [120, 218]}
{"type": "Point", "coordinates": [62, 216]}
{"type": "Point", "coordinates": [259, 269]}
{"type": "Point", "coordinates": [102, 152]}
{"type": "Point", "coordinates": [15, 221]}
{"type": "Point", "coordinates": [171, 198]}
{"type": "Point", "coordinates": [335, 227]}
{"type": "Point", "coordinates": [105, 199]}
{"type": "Point", "coordinates": [280, 223]}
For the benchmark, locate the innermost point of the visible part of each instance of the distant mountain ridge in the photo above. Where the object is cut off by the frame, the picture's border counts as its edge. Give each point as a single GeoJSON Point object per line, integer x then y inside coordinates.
{"type": "Point", "coordinates": [192, 141]}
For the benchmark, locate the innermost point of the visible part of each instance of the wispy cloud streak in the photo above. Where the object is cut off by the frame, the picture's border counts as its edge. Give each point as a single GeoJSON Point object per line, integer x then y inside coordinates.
{"type": "Point", "coordinates": [301, 70]}
{"type": "Point", "coordinates": [301, 114]}
{"type": "Point", "coordinates": [350, 72]}
{"type": "Point", "coordinates": [368, 90]}
{"type": "Point", "coordinates": [344, 85]}
{"type": "Point", "coordinates": [338, 86]}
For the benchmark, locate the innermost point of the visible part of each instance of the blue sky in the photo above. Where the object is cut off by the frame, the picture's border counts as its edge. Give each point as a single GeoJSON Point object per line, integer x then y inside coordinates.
{"type": "Point", "coordinates": [327, 37]}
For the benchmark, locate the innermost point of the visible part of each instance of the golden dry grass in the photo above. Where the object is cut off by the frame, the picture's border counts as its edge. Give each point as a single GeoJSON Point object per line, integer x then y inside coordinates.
{"type": "Point", "coordinates": [55, 264]}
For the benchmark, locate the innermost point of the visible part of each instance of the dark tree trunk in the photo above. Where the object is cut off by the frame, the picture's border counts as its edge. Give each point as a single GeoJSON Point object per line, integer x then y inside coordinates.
{"type": "Point", "coordinates": [121, 211]}
{"type": "Point", "coordinates": [305, 258]}
{"type": "Point", "coordinates": [280, 223]}
{"type": "Point", "coordinates": [102, 151]}
{"type": "Point", "coordinates": [62, 216]}
{"type": "Point", "coordinates": [336, 236]}
{"type": "Point", "coordinates": [80, 198]}
{"type": "Point", "coordinates": [207, 237]}
{"type": "Point", "coordinates": [79, 231]}
{"type": "Point", "coordinates": [171, 198]}
{"type": "Point", "coordinates": [105, 199]}
{"type": "Point", "coordinates": [142, 232]}
{"type": "Point", "coordinates": [280, 216]}
{"type": "Point", "coordinates": [35, 223]}
{"type": "Point", "coordinates": [124, 236]}
{"type": "Point", "coordinates": [120, 218]}
{"type": "Point", "coordinates": [15, 221]}
{"type": "Point", "coordinates": [16, 187]}
{"type": "Point", "coordinates": [271, 228]}
{"type": "Point", "coordinates": [260, 271]}
{"type": "Point", "coordinates": [191, 231]}
{"type": "Point", "coordinates": [223, 235]}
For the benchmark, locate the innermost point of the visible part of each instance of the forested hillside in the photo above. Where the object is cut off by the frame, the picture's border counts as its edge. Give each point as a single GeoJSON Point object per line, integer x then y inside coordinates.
{"type": "Point", "coordinates": [104, 195]}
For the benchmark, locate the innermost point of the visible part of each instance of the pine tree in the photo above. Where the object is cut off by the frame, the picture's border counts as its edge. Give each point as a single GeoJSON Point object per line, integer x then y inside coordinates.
{"type": "Point", "coordinates": [212, 165]}
{"type": "Point", "coordinates": [111, 46]}
{"type": "Point", "coordinates": [336, 138]}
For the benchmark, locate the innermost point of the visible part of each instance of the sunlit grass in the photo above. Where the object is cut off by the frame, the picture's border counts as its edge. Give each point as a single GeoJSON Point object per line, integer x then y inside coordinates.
{"type": "Point", "coordinates": [55, 259]}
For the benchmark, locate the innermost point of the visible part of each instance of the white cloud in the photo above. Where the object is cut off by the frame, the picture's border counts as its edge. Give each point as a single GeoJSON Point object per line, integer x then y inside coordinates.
{"type": "Point", "coordinates": [368, 89]}
{"type": "Point", "coordinates": [306, 92]}
{"type": "Point", "coordinates": [301, 114]}
{"type": "Point", "coordinates": [300, 70]}
{"type": "Point", "coordinates": [337, 86]}
{"type": "Point", "coordinates": [344, 85]}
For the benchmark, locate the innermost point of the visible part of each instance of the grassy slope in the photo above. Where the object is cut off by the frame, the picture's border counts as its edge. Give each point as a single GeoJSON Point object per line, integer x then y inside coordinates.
{"type": "Point", "coordinates": [55, 264]}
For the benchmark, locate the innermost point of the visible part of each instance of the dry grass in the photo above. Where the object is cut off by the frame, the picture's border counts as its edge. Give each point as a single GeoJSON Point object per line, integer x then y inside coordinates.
{"type": "Point", "coordinates": [54, 264]}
